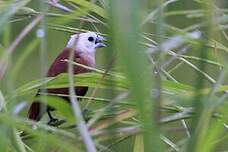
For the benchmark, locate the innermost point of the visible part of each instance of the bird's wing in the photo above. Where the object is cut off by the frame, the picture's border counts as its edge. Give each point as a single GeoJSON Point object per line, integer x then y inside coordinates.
{"type": "Point", "coordinates": [59, 66]}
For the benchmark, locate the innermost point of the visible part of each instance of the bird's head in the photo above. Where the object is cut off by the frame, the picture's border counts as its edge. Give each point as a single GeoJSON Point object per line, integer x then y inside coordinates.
{"type": "Point", "coordinates": [86, 42]}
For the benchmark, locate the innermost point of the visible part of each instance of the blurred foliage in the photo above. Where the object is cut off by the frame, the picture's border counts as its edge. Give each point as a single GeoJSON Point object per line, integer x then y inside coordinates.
{"type": "Point", "coordinates": [160, 85]}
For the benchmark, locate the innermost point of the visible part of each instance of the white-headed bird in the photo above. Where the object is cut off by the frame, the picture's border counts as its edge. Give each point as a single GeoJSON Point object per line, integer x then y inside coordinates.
{"type": "Point", "coordinates": [84, 46]}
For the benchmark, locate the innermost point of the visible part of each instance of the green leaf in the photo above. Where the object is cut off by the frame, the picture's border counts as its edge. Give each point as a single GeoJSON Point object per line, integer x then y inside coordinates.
{"type": "Point", "coordinates": [91, 6]}
{"type": "Point", "coordinates": [16, 141]}
{"type": "Point", "coordinates": [59, 104]}
{"type": "Point", "coordinates": [139, 145]}
{"type": "Point", "coordinates": [91, 80]}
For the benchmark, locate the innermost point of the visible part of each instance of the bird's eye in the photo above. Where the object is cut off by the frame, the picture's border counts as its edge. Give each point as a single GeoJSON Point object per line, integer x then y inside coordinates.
{"type": "Point", "coordinates": [91, 39]}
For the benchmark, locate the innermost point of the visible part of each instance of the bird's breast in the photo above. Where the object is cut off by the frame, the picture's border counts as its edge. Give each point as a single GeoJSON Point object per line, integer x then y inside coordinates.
{"type": "Point", "coordinates": [88, 59]}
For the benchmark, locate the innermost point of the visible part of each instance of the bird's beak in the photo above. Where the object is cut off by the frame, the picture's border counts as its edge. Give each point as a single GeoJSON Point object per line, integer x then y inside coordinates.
{"type": "Point", "coordinates": [99, 42]}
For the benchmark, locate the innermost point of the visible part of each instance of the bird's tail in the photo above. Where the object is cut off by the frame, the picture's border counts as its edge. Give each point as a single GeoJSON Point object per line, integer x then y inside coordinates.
{"type": "Point", "coordinates": [35, 111]}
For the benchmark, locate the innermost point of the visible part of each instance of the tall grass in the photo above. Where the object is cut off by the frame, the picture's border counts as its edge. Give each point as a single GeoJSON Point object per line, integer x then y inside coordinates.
{"type": "Point", "coordinates": [160, 85]}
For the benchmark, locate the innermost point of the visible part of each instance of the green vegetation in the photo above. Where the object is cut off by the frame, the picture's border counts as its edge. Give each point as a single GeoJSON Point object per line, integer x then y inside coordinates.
{"type": "Point", "coordinates": [159, 85]}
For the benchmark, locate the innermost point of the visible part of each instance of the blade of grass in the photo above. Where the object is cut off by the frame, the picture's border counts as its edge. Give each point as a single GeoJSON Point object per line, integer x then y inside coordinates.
{"type": "Point", "coordinates": [124, 40]}
{"type": "Point", "coordinates": [138, 145]}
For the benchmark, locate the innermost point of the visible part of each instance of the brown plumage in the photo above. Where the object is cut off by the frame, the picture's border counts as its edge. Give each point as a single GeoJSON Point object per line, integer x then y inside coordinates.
{"type": "Point", "coordinates": [59, 66]}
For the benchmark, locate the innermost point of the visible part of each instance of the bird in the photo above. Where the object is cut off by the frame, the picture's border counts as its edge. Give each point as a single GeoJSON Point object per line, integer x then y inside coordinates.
{"type": "Point", "coordinates": [84, 46]}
